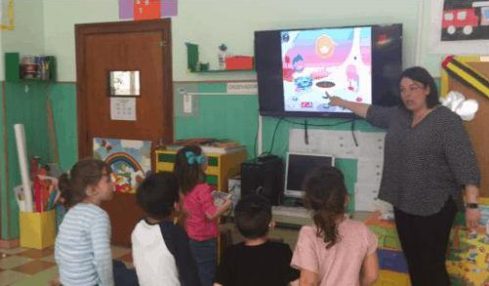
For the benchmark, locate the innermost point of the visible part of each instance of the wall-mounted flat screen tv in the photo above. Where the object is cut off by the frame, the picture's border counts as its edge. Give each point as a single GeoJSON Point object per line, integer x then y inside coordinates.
{"type": "Point", "coordinates": [298, 70]}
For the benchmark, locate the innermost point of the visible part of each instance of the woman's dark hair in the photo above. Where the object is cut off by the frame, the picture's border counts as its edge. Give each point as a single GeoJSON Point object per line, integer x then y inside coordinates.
{"type": "Point", "coordinates": [252, 215]}
{"type": "Point", "coordinates": [85, 173]}
{"type": "Point", "coordinates": [188, 168]}
{"type": "Point", "coordinates": [325, 195]}
{"type": "Point", "coordinates": [157, 194]}
{"type": "Point", "coordinates": [422, 76]}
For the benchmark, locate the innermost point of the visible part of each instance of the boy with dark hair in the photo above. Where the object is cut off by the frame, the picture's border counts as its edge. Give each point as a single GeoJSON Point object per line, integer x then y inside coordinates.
{"type": "Point", "coordinates": [256, 261]}
{"type": "Point", "coordinates": [160, 249]}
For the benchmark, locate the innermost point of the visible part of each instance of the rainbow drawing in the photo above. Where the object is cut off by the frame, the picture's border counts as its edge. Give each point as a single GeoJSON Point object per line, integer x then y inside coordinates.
{"type": "Point", "coordinates": [130, 161]}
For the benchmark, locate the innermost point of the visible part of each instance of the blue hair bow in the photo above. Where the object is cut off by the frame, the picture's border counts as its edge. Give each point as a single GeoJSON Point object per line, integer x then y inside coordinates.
{"type": "Point", "coordinates": [192, 158]}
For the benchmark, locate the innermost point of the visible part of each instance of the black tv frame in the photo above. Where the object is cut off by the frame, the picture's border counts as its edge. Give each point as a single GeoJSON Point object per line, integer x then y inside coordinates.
{"type": "Point", "coordinates": [386, 69]}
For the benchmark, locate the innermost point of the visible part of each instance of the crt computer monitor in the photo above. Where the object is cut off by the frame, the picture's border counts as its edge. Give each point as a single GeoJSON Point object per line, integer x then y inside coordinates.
{"type": "Point", "coordinates": [299, 165]}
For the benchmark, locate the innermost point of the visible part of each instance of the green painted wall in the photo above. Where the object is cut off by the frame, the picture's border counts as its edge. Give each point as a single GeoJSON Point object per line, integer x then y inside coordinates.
{"type": "Point", "coordinates": [216, 115]}
{"type": "Point", "coordinates": [3, 168]}
{"type": "Point", "coordinates": [63, 101]}
{"type": "Point", "coordinates": [220, 116]}
{"type": "Point", "coordinates": [48, 27]}
{"type": "Point", "coordinates": [28, 108]}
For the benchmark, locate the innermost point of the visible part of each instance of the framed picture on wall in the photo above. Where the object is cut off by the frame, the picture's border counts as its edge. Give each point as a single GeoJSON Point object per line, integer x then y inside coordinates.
{"type": "Point", "coordinates": [124, 83]}
{"type": "Point", "coordinates": [459, 27]}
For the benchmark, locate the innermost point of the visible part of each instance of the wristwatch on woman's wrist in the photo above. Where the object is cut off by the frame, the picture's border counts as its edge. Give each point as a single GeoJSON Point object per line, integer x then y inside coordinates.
{"type": "Point", "coordinates": [472, 205]}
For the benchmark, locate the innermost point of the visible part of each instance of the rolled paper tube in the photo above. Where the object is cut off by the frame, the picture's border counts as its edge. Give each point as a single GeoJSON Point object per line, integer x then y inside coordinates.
{"type": "Point", "coordinates": [24, 174]}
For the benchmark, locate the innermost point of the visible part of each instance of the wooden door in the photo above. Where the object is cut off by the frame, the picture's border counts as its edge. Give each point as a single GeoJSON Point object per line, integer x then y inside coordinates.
{"type": "Point", "coordinates": [143, 46]}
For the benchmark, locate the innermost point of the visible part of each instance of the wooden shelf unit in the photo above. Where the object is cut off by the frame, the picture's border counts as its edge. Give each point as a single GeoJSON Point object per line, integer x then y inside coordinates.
{"type": "Point", "coordinates": [220, 167]}
{"type": "Point", "coordinates": [13, 66]}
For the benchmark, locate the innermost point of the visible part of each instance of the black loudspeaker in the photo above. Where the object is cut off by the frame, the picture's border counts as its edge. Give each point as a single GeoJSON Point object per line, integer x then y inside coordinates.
{"type": "Point", "coordinates": [264, 176]}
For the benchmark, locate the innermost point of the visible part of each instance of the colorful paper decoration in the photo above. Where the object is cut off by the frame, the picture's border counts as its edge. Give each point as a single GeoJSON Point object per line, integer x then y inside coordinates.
{"type": "Point", "coordinates": [466, 75]}
{"type": "Point", "coordinates": [7, 15]}
{"type": "Point", "coordinates": [147, 9]}
{"type": "Point", "coordinates": [130, 160]}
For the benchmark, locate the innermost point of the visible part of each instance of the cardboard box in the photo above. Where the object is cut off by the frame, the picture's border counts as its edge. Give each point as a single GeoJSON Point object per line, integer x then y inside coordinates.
{"type": "Point", "coordinates": [239, 63]}
{"type": "Point", "coordinates": [37, 230]}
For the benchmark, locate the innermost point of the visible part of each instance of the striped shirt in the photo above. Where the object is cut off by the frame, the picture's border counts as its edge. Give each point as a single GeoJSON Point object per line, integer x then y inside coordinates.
{"type": "Point", "coordinates": [427, 164]}
{"type": "Point", "coordinates": [82, 249]}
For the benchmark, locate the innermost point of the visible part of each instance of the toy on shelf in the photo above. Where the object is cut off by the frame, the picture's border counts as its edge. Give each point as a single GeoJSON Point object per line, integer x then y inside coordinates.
{"type": "Point", "coordinates": [221, 56]}
{"type": "Point", "coordinates": [225, 62]}
{"type": "Point", "coordinates": [40, 68]}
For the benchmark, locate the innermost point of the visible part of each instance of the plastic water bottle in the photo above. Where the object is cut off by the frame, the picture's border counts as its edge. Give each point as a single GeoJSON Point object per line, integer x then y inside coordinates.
{"type": "Point", "coordinates": [221, 57]}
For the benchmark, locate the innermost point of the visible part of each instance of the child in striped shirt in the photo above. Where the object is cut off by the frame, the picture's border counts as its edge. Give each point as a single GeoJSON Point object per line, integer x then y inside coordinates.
{"type": "Point", "coordinates": [82, 249]}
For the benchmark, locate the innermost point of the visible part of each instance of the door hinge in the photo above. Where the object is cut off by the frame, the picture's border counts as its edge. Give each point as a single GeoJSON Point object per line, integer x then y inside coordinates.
{"type": "Point", "coordinates": [163, 44]}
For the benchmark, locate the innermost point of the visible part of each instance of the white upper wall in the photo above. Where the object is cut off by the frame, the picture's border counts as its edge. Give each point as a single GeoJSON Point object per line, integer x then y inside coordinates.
{"type": "Point", "coordinates": [209, 23]}
{"type": "Point", "coordinates": [59, 26]}
{"type": "Point", "coordinates": [27, 38]}
{"type": "Point", "coordinates": [2, 66]}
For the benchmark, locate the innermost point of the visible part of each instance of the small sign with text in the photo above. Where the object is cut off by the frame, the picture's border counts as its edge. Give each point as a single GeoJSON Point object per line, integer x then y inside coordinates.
{"type": "Point", "coordinates": [242, 88]}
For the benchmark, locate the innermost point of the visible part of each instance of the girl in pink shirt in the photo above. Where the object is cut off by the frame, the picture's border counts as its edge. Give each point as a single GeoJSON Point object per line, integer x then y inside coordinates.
{"type": "Point", "coordinates": [335, 250]}
{"type": "Point", "coordinates": [201, 213]}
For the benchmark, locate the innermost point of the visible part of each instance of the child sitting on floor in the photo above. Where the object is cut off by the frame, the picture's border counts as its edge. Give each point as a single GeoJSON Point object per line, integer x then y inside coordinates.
{"type": "Point", "coordinates": [82, 248]}
{"type": "Point", "coordinates": [256, 261]}
{"type": "Point", "coordinates": [335, 250]}
{"type": "Point", "coordinates": [160, 249]}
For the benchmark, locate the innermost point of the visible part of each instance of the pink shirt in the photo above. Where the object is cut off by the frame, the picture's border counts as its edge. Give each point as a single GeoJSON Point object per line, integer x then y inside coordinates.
{"type": "Point", "coordinates": [197, 203]}
{"type": "Point", "coordinates": [340, 264]}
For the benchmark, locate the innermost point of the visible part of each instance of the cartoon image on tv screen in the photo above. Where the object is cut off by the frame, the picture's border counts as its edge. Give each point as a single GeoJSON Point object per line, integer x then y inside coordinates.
{"type": "Point", "coordinates": [321, 63]}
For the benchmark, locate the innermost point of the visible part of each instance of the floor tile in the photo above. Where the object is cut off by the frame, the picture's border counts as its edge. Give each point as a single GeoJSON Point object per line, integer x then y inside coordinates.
{"type": "Point", "coordinates": [12, 250]}
{"type": "Point", "coordinates": [41, 278]}
{"type": "Point", "coordinates": [13, 261]}
{"type": "Point", "coordinates": [33, 267]}
{"type": "Point", "coordinates": [36, 253]}
{"type": "Point", "coordinates": [8, 277]}
{"type": "Point", "coordinates": [49, 258]}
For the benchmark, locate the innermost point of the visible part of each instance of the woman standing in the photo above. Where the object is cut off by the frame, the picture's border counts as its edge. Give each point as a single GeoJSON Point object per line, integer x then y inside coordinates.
{"type": "Point", "coordinates": [428, 160]}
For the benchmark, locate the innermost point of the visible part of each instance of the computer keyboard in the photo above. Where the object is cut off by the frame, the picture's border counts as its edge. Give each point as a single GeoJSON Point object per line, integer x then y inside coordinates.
{"type": "Point", "coordinates": [291, 217]}
{"type": "Point", "coordinates": [291, 211]}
